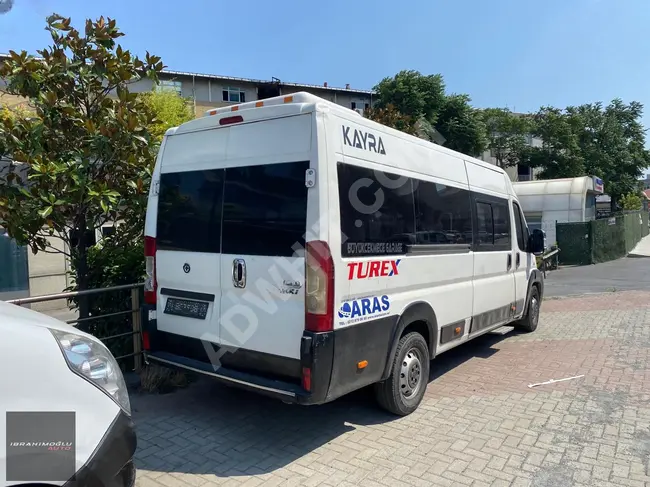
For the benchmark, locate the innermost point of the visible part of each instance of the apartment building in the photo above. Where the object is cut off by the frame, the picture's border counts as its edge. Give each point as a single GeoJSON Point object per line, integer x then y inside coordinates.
{"type": "Point", "coordinates": [519, 172]}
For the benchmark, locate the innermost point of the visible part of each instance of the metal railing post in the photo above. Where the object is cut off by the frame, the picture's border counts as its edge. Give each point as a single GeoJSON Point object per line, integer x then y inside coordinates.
{"type": "Point", "coordinates": [137, 328]}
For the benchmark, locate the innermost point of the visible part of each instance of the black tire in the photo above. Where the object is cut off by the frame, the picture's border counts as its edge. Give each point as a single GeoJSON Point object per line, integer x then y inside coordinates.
{"type": "Point", "coordinates": [396, 394]}
{"type": "Point", "coordinates": [529, 322]}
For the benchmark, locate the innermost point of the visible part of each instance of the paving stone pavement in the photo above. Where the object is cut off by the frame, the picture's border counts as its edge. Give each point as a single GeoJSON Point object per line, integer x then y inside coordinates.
{"type": "Point", "coordinates": [479, 424]}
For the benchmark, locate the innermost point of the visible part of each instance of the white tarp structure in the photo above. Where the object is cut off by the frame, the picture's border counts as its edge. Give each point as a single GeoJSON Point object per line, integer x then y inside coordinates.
{"type": "Point", "coordinates": [550, 201]}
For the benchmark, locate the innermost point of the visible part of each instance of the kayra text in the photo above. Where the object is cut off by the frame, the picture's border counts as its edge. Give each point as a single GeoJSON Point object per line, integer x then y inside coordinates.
{"type": "Point", "coordinates": [363, 140]}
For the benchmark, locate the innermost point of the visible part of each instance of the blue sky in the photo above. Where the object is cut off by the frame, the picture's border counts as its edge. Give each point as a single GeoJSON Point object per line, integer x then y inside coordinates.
{"type": "Point", "coordinates": [516, 53]}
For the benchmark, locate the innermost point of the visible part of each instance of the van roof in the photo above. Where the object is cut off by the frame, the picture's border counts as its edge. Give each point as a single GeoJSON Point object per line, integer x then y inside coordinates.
{"type": "Point", "coordinates": [303, 102]}
{"type": "Point", "coordinates": [301, 97]}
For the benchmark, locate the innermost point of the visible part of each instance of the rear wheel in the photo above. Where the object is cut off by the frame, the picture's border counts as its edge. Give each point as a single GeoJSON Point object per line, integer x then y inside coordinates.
{"type": "Point", "coordinates": [404, 389]}
{"type": "Point", "coordinates": [529, 322]}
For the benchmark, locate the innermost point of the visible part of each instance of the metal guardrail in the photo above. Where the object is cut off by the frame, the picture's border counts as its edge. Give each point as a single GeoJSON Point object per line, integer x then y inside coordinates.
{"type": "Point", "coordinates": [136, 330]}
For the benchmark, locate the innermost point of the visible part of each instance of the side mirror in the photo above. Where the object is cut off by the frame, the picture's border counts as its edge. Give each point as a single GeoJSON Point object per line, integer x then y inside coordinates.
{"type": "Point", "coordinates": [536, 242]}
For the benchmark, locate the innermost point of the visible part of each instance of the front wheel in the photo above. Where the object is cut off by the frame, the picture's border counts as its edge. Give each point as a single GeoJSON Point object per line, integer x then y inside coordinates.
{"type": "Point", "coordinates": [404, 389]}
{"type": "Point", "coordinates": [529, 322]}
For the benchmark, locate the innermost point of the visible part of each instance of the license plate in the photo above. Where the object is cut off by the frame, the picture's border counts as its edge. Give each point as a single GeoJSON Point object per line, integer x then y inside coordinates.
{"type": "Point", "coordinates": [187, 308]}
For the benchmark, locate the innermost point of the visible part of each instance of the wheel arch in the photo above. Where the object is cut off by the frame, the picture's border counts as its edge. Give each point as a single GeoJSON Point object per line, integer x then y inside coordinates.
{"type": "Point", "coordinates": [536, 279]}
{"type": "Point", "coordinates": [418, 316]}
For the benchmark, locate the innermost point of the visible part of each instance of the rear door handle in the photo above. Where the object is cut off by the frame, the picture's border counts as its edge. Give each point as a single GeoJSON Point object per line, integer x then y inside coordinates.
{"type": "Point", "coordinates": [509, 261]}
{"type": "Point", "coordinates": [518, 260]}
{"type": "Point", "coordinates": [239, 273]}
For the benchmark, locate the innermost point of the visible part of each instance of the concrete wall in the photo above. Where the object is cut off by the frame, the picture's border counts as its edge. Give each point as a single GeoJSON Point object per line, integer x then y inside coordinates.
{"type": "Point", "coordinates": [48, 275]}
{"type": "Point", "coordinates": [208, 93]}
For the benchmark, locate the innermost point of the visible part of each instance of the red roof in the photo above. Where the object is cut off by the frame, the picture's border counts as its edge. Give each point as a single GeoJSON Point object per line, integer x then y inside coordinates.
{"type": "Point", "coordinates": [647, 193]}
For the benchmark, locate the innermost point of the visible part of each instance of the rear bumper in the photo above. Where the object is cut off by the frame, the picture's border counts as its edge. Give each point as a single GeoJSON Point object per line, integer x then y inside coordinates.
{"type": "Point", "coordinates": [277, 377]}
{"type": "Point", "coordinates": [326, 368]}
{"type": "Point", "coordinates": [284, 391]}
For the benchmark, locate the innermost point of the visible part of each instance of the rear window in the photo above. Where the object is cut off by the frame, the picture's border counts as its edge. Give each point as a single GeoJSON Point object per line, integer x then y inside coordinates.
{"type": "Point", "coordinates": [265, 209]}
{"type": "Point", "coordinates": [189, 211]}
{"type": "Point", "coordinates": [251, 210]}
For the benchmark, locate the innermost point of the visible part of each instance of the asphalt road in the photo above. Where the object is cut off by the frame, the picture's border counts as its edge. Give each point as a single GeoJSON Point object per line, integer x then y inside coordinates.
{"type": "Point", "coordinates": [618, 275]}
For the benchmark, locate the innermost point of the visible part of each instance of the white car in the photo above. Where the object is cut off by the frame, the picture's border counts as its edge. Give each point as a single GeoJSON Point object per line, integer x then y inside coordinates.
{"type": "Point", "coordinates": [64, 406]}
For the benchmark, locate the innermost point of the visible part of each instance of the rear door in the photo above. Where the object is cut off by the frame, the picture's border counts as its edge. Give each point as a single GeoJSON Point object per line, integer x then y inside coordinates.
{"type": "Point", "coordinates": [188, 264]}
{"type": "Point", "coordinates": [262, 261]}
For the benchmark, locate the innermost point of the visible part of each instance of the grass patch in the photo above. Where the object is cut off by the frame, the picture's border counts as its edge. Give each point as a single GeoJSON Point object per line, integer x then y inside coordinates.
{"type": "Point", "coordinates": [157, 379]}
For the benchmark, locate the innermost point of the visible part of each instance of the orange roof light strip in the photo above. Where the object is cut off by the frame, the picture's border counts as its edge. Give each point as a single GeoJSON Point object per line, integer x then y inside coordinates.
{"type": "Point", "coordinates": [258, 104]}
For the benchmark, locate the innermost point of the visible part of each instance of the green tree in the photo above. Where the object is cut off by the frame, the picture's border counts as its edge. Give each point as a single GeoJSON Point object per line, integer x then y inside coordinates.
{"type": "Point", "coordinates": [461, 126]}
{"type": "Point", "coordinates": [559, 155]}
{"type": "Point", "coordinates": [631, 202]}
{"type": "Point", "coordinates": [169, 109]}
{"type": "Point", "coordinates": [592, 139]}
{"type": "Point", "coordinates": [391, 117]}
{"type": "Point", "coordinates": [85, 151]}
{"type": "Point", "coordinates": [441, 118]}
{"type": "Point", "coordinates": [506, 135]}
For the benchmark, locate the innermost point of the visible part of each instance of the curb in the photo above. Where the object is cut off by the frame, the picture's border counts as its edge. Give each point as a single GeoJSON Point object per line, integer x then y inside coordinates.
{"type": "Point", "coordinates": [581, 295]}
{"type": "Point", "coordinates": [638, 256]}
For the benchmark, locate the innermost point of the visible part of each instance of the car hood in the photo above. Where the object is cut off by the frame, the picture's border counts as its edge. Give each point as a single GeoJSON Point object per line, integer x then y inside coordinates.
{"type": "Point", "coordinates": [10, 314]}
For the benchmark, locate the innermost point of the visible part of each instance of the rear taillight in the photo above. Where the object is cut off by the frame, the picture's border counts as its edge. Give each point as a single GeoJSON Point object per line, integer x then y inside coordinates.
{"type": "Point", "coordinates": [319, 285]}
{"type": "Point", "coordinates": [146, 343]}
{"type": "Point", "coordinates": [150, 269]}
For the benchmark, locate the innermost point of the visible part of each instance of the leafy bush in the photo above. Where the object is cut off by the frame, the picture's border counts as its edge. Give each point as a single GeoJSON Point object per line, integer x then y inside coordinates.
{"type": "Point", "coordinates": [631, 202]}
{"type": "Point", "coordinates": [112, 262]}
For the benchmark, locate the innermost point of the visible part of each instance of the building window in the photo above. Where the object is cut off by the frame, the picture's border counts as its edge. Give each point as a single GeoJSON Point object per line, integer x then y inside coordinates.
{"type": "Point", "coordinates": [353, 105]}
{"type": "Point", "coordinates": [169, 85]}
{"type": "Point", "coordinates": [367, 106]}
{"type": "Point", "coordinates": [235, 95]}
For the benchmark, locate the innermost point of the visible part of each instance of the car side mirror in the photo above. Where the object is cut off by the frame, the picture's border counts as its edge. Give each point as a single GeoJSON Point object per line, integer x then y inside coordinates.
{"type": "Point", "coordinates": [536, 242]}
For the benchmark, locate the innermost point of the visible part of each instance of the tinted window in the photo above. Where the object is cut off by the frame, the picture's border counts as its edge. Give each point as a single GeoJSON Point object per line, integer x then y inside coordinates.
{"type": "Point", "coordinates": [501, 216]}
{"type": "Point", "coordinates": [189, 211]}
{"type": "Point", "coordinates": [377, 211]}
{"type": "Point", "coordinates": [443, 214]}
{"type": "Point", "coordinates": [485, 226]}
{"type": "Point", "coordinates": [265, 209]}
{"type": "Point", "coordinates": [522, 234]}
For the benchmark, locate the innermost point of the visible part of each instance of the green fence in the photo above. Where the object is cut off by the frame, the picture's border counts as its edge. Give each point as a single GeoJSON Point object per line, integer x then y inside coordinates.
{"type": "Point", "coordinates": [575, 242]}
{"type": "Point", "coordinates": [14, 275]}
{"type": "Point", "coordinates": [600, 240]}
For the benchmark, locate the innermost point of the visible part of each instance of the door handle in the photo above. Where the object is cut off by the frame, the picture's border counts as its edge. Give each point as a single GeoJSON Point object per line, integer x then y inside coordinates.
{"type": "Point", "coordinates": [518, 260]}
{"type": "Point", "coordinates": [509, 261]}
{"type": "Point", "coordinates": [239, 273]}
